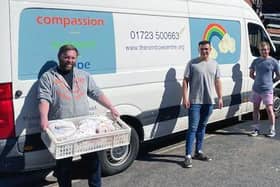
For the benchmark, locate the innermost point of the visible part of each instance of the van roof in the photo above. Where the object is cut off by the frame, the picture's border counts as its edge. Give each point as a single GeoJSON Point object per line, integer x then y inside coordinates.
{"type": "Point", "coordinates": [179, 7]}
{"type": "Point", "coordinates": [235, 3]}
{"type": "Point", "coordinates": [138, 6]}
{"type": "Point", "coordinates": [220, 8]}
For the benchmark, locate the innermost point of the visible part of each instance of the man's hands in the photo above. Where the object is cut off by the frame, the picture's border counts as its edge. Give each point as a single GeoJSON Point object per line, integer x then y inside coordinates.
{"type": "Point", "coordinates": [44, 124]}
{"type": "Point", "coordinates": [218, 87]}
{"type": "Point", "coordinates": [220, 103]}
{"type": "Point", "coordinates": [102, 99]}
{"type": "Point", "coordinates": [115, 114]}
{"type": "Point", "coordinates": [186, 103]}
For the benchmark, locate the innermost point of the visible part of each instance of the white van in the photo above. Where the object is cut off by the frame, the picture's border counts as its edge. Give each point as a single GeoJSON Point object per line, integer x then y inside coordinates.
{"type": "Point", "coordinates": [136, 52]}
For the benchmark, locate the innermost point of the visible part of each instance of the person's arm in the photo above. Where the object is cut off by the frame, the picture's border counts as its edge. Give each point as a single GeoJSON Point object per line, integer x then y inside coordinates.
{"type": "Point", "coordinates": [252, 70]}
{"type": "Point", "coordinates": [252, 74]}
{"type": "Point", "coordinates": [218, 87]}
{"type": "Point", "coordinates": [186, 102]}
{"type": "Point", "coordinates": [102, 99]}
{"type": "Point", "coordinates": [277, 72]}
{"type": "Point", "coordinates": [44, 110]}
{"type": "Point", "coordinates": [45, 98]}
{"type": "Point", "coordinates": [96, 94]}
{"type": "Point", "coordinates": [277, 77]}
{"type": "Point", "coordinates": [185, 87]}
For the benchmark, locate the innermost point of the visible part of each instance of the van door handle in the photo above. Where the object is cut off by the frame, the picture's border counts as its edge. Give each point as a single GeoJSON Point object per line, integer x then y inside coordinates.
{"type": "Point", "coordinates": [18, 94]}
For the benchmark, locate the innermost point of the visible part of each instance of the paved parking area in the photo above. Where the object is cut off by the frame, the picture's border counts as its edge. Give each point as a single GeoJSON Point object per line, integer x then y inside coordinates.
{"type": "Point", "coordinates": [238, 160]}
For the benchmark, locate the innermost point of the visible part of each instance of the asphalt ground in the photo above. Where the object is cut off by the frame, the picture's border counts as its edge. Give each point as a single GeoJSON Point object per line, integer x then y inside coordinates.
{"type": "Point", "coordinates": [238, 160]}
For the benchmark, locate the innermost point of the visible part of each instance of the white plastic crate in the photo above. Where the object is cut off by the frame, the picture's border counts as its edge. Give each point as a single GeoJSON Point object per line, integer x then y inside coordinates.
{"type": "Point", "coordinates": [78, 146]}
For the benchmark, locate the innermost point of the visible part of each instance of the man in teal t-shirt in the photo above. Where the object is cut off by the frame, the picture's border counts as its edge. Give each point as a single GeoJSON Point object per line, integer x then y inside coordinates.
{"type": "Point", "coordinates": [262, 71]}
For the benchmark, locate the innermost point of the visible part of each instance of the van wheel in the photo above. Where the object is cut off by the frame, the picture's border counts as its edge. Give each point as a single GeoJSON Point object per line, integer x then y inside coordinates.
{"type": "Point", "coordinates": [276, 102]}
{"type": "Point", "coordinates": [276, 105]}
{"type": "Point", "coordinates": [118, 159]}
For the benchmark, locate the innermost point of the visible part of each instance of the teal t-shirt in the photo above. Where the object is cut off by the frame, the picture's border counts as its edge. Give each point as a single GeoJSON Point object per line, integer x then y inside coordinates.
{"type": "Point", "coordinates": [264, 69]}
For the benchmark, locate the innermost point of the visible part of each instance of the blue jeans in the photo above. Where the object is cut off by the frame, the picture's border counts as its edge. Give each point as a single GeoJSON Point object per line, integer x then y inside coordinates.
{"type": "Point", "coordinates": [198, 118]}
{"type": "Point", "coordinates": [64, 167]}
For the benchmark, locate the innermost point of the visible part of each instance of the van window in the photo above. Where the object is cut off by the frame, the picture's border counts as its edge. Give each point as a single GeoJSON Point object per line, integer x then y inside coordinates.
{"type": "Point", "coordinates": [43, 31]}
{"type": "Point", "coordinates": [256, 35]}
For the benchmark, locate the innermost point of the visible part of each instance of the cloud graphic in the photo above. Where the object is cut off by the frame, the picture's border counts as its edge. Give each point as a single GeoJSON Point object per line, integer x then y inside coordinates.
{"type": "Point", "coordinates": [213, 53]}
{"type": "Point", "coordinates": [227, 44]}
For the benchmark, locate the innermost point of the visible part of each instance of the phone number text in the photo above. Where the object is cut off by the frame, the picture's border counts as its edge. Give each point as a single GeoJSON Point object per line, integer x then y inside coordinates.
{"type": "Point", "coordinates": [151, 35]}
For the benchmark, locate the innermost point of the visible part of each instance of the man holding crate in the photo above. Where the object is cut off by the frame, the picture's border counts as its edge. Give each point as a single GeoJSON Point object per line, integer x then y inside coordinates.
{"type": "Point", "coordinates": [63, 93]}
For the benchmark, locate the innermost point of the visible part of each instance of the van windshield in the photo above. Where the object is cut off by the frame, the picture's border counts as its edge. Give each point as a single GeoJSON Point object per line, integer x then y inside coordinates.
{"type": "Point", "coordinates": [257, 35]}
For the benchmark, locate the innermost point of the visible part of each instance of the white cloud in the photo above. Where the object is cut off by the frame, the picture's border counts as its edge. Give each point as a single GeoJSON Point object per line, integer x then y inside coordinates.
{"type": "Point", "coordinates": [227, 44]}
{"type": "Point", "coordinates": [213, 53]}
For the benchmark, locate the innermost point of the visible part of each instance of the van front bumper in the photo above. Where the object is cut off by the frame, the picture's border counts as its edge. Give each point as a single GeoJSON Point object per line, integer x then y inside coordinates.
{"type": "Point", "coordinates": [11, 159]}
{"type": "Point", "coordinates": [24, 153]}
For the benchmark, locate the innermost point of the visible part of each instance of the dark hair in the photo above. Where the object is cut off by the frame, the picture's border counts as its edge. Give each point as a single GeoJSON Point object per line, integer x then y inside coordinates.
{"type": "Point", "coordinates": [204, 42]}
{"type": "Point", "coordinates": [65, 48]}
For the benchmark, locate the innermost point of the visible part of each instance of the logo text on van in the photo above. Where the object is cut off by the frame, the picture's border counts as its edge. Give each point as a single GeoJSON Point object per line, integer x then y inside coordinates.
{"type": "Point", "coordinates": [69, 21]}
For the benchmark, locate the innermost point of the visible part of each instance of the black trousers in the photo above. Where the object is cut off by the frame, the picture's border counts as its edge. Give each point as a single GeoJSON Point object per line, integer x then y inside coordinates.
{"type": "Point", "coordinates": [64, 170]}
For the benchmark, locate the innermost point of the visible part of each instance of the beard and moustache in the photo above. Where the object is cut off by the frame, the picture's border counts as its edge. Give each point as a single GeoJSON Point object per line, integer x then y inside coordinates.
{"type": "Point", "coordinates": [63, 67]}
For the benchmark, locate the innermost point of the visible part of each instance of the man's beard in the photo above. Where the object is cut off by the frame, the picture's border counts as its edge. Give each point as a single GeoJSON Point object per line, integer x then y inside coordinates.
{"type": "Point", "coordinates": [66, 70]}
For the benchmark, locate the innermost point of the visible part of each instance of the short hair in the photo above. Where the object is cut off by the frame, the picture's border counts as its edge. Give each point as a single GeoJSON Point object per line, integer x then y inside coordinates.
{"type": "Point", "coordinates": [204, 42]}
{"type": "Point", "coordinates": [67, 47]}
{"type": "Point", "coordinates": [264, 43]}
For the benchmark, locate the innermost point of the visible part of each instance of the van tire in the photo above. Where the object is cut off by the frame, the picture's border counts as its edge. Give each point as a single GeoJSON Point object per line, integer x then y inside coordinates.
{"type": "Point", "coordinates": [111, 165]}
{"type": "Point", "coordinates": [276, 102]}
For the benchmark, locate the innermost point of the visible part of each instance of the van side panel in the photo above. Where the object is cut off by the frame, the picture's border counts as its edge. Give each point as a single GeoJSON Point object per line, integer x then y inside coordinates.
{"type": "Point", "coordinates": [154, 55]}
{"type": "Point", "coordinates": [137, 86]}
{"type": "Point", "coordinates": [5, 58]}
{"type": "Point", "coordinates": [124, 53]}
{"type": "Point", "coordinates": [135, 50]}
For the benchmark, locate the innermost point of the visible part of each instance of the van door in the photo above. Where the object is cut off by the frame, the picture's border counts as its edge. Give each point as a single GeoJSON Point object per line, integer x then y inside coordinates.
{"type": "Point", "coordinates": [256, 34]}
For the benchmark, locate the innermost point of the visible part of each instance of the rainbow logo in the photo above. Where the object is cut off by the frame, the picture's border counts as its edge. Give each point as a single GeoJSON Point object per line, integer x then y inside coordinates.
{"type": "Point", "coordinates": [212, 30]}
